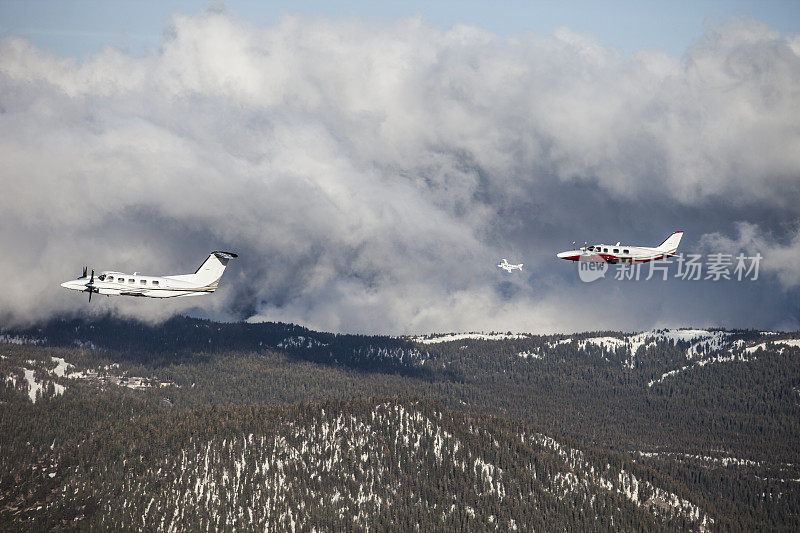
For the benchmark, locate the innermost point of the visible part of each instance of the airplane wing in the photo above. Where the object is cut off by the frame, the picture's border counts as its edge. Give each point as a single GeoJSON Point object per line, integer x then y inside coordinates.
{"type": "Point", "coordinates": [132, 292]}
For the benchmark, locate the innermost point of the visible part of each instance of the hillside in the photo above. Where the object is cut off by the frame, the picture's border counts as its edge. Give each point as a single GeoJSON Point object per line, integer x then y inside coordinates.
{"type": "Point", "coordinates": [337, 464]}
{"type": "Point", "coordinates": [237, 426]}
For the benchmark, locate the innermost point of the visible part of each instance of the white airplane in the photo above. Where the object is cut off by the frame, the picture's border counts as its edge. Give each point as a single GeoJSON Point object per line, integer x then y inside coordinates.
{"type": "Point", "coordinates": [508, 267]}
{"type": "Point", "coordinates": [204, 281]}
{"type": "Point", "coordinates": [623, 253]}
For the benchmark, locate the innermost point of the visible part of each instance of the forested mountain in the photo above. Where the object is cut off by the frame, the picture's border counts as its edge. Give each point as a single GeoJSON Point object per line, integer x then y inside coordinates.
{"type": "Point", "coordinates": [194, 425]}
{"type": "Point", "coordinates": [182, 337]}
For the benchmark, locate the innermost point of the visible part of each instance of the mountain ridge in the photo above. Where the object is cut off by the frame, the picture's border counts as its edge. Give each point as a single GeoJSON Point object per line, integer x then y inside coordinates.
{"type": "Point", "coordinates": [710, 447]}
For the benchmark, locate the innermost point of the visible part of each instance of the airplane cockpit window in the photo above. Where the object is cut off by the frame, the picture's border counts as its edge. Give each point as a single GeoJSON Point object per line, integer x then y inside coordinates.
{"type": "Point", "coordinates": [101, 277]}
{"type": "Point", "coordinates": [591, 248]}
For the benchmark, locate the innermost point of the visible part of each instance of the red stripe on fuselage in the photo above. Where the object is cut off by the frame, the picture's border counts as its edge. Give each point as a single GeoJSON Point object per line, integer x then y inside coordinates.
{"type": "Point", "coordinates": [610, 258]}
{"type": "Point", "coordinates": [648, 260]}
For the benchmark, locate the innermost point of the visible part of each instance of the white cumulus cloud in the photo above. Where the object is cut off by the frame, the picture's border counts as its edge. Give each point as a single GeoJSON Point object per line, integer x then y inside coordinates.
{"type": "Point", "coordinates": [371, 173]}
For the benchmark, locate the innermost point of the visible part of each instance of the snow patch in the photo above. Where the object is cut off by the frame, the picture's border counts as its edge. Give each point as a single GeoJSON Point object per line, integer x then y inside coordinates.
{"type": "Point", "coordinates": [763, 346]}
{"type": "Point", "coordinates": [701, 341]}
{"type": "Point", "coordinates": [462, 336]}
{"type": "Point", "coordinates": [703, 362]}
{"type": "Point", "coordinates": [300, 342]}
{"type": "Point", "coordinates": [603, 342]}
{"type": "Point", "coordinates": [15, 339]}
{"type": "Point", "coordinates": [724, 461]}
{"type": "Point", "coordinates": [61, 367]}
{"type": "Point", "coordinates": [33, 386]}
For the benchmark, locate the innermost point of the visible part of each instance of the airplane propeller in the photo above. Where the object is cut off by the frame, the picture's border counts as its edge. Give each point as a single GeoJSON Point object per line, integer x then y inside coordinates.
{"type": "Point", "coordinates": [89, 285]}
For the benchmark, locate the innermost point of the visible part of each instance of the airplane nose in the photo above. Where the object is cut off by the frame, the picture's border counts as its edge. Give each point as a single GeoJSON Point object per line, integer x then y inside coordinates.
{"type": "Point", "coordinates": [573, 255]}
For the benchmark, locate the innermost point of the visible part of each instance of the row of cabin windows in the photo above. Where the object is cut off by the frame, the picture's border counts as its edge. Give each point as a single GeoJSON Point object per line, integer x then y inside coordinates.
{"type": "Point", "coordinates": [605, 250]}
{"type": "Point", "coordinates": [131, 280]}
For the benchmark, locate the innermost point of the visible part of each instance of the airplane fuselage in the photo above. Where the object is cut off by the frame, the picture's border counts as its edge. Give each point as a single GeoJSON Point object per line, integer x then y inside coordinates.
{"type": "Point", "coordinates": [615, 254]}
{"type": "Point", "coordinates": [620, 253]}
{"type": "Point", "coordinates": [119, 284]}
{"type": "Point", "coordinates": [112, 283]}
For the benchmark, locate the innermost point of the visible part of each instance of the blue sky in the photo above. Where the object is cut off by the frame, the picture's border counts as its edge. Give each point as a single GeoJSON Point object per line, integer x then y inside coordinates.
{"type": "Point", "coordinates": [78, 28]}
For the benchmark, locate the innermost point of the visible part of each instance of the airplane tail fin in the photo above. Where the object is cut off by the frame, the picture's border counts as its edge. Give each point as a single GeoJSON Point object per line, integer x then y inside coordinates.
{"type": "Point", "coordinates": [670, 244]}
{"type": "Point", "coordinates": [212, 268]}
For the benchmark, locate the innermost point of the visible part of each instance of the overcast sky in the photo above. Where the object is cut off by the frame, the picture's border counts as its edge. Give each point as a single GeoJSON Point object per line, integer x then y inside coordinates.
{"type": "Point", "coordinates": [372, 170]}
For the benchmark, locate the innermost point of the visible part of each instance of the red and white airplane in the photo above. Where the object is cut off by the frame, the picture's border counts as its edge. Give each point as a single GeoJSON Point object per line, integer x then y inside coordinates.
{"type": "Point", "coordinates": [619, 253]}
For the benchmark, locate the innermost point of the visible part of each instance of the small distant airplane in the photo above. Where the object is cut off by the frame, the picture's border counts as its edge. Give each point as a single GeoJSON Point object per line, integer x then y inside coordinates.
{"type": "Point", "coordinates": [624, 254]}
{"type": "Point", "coordinates": [204, 281]}
{"type": "Point", "coordinates": [508, 267]}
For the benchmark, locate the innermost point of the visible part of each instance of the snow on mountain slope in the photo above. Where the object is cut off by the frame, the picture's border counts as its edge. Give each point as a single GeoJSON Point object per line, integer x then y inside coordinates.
{"type": "Point", "coordinates": [300, 342]}
{"type": "Point", "coordinates": [705, 347]}
{"type": "Point", "coordinates": [610, 343]}
{"type": "Point", "coordinates": [27, 375]}
{"type": "Point", "coordinates": [32, 372]}
{"type": "Point", "coordinates": [34, 386]}
{"type": "Point", "coordinates": [21, 339]}
{"type": "Point", "coordinates": [700, 363]}
{"type": "Point", "coordinates": [464, 336]}
{"type": "Point", "coordinates": [712, 460]}
{"type": "Point", "coordinates": [351, 464]}
{"type": "Point", "coordinates": [763, 345]}
{"type": "Point", "coordinates": [722, 351]}
{"type": "Point", "coordinates": [61, 366]}
{"type": "Point", "coordinates": [642, 493]}
{"type": "Point", "coordinates": [699, 340]}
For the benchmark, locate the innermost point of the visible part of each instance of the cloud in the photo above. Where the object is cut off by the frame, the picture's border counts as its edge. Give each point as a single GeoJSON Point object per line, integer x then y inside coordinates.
{"type": "Point", "coordinates": [782, 260]}
{"type": "Point", "coordinates": [371, 173]}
